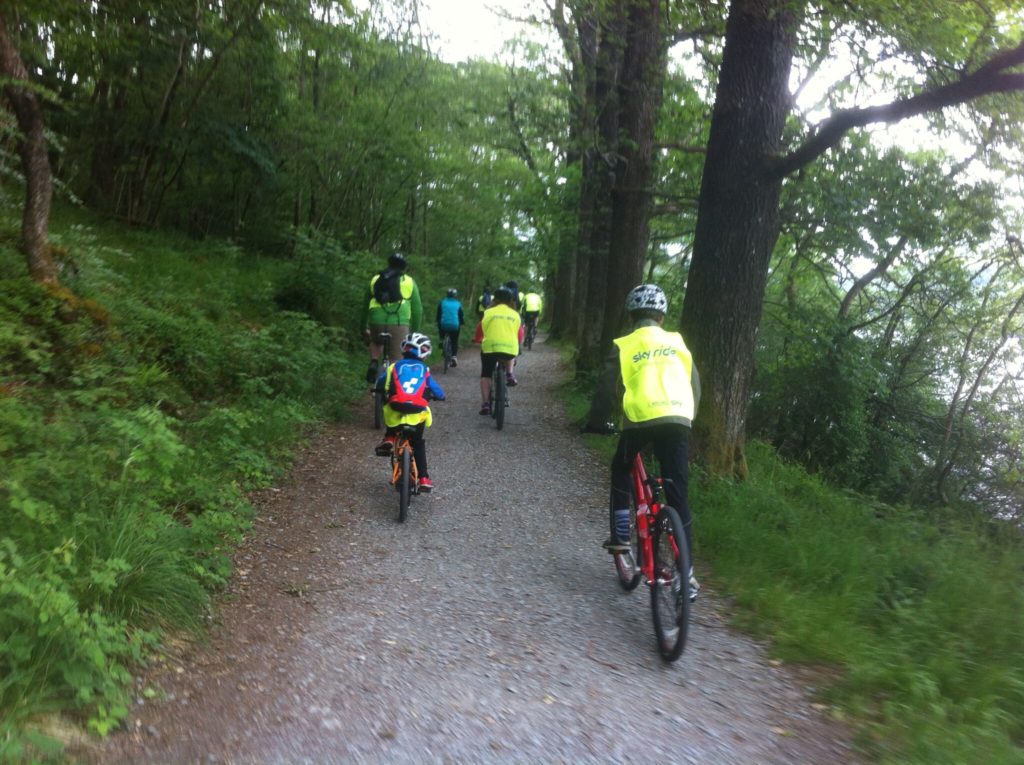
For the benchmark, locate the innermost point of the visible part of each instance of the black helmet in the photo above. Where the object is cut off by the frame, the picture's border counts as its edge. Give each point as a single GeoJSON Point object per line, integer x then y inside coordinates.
{"type": "Point", "coordinates": [452, 292]}
{"type": "Point", "coordinates": [512, 284]}
{"type": "Point", "coordinates": [503, 293]}
{"type": "Point", "coordinates": [397, 261]}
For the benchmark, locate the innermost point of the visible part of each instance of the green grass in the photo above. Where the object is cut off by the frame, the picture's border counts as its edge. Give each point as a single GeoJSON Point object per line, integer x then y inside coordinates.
{"type": "Point", "coordinates": [919, 615]}
{"type": "Point", "coordinates": [923, 612]}
{"type": "Point", "coordinates": [133, 418]}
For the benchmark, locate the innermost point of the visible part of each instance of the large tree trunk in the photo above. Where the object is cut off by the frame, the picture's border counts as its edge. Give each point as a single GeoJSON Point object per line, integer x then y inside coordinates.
{"type": "Point", "coordinates": [640, 91]}
{"type": "Point", "coordinates": [737, 222]}
{"type": "Point", "coordinates": [599, 177]}
{"type": "Point", "coordinates": [34, 161]}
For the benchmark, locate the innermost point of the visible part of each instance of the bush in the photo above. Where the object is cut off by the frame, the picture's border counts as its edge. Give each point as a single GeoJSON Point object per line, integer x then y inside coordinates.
{"type": "Point", "coordinates": [134, 414]}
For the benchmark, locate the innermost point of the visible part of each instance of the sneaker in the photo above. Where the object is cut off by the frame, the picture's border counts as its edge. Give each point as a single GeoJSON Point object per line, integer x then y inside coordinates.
{"type": "Point", "coordinates": [510, 380]}
{"type": "Point", "coordinates": [425, 485]}
{"type": "Point", "coordinates": [455, 362]}
{"type": "Point", "coordinates": [694, 586]}
{"type": "Point", "coordinates": [613, 545]}
{"type": "Point", "coordinates": [385, 447]}
{"type": "Point", "coordinates": [371, 372]}
{"type": "Point", "coordinates": [485, 409]}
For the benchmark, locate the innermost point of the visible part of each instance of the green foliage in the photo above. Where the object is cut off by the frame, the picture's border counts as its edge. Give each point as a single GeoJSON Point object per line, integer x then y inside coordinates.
{"type": "Point", "coordinates": [132, 418]}
{"type": "Point", "coordinates": [922, 612]}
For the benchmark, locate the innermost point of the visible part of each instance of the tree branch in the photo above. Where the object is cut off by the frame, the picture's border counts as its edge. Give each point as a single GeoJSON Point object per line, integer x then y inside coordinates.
{"type": "Point", "coordinates": [990, 78]}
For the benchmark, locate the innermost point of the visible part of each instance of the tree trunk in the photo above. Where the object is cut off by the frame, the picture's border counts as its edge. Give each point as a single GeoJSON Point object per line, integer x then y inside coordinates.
{"type": "Point", "coordinates": [640, 90]}
{"type": "Point", "coordinates": [737, 223]}
{"type": "Point", "coordinates": [599, 178]}
{"type": "Point", "coordinates": [35, 162]}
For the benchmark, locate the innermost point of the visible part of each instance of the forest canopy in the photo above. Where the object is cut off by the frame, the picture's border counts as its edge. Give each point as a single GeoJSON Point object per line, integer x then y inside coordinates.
{"type": "Point", "coordinates": [842, 249]}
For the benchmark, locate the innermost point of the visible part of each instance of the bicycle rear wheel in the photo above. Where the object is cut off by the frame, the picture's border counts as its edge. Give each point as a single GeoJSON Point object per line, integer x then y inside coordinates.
{"type": "Point", "coordinates": [627, 564]}
{"type": "Point", "coordinates": [500, 395]}
{"type": "Point", "coordinates": [404, 484]}
{"type": "Point", "coordinates": [447, 353]}
{"type": "Point", "coordinates": [670, 591]}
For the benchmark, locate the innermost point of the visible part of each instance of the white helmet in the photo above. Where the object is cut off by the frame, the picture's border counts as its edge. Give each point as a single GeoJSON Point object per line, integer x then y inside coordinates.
{"type": "Point", "coordinates": [649, 297]}
{"type": "Point", "coordinates": [418, 343]}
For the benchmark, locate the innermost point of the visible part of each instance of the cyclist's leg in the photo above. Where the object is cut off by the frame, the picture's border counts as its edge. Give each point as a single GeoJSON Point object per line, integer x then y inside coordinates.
{"type": "Point", "coordinates": [398, 333]}
{"type": "Point", "coordinates": [487, 363]}
{"type": "Point", "coordinates": [375, 350]}
{"type": "Point", "coordinates": [671, 447]}
{"type": "Point", "coordinates": [630, 442]}
{"type": "Point", "coordinates": [419, 450]}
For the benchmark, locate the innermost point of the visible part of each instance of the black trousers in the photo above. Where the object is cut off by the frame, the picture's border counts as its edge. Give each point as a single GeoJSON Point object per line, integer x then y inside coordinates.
{"type": "Point", "coordinates": [671, 446]}
{"type": "Point", "coordinates": [454, 335]}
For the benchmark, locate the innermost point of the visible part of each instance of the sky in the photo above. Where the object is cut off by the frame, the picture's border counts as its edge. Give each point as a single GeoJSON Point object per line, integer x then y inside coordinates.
{"type": "Point", "coordinates": [471, 28]}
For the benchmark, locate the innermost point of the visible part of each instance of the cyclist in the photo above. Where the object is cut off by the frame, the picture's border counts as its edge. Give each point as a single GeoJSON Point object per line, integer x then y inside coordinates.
{"type": "Point", "coordinates": [500, 342]}
{"type": "Point", "coordinates": [393, 306]}
{"type": "Point", "coordinates": [483, 302]}
{"type": "Point", "coordinates": [533, 304]}
{"type": "Point", "coordinates": [404, 383]}
{"type": "Point", "coordinates": [662, 391]}
{"type": "Point", "coordinates": [513, 286]}
{"type": "Point", "coordinates": [449, 320]}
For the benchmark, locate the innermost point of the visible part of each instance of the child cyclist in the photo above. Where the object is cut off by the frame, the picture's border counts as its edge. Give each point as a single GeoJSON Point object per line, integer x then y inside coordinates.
{"type": "Point", "coordinates": [662, 391]}
{"type": "Point", "coordinates": [405, 384]}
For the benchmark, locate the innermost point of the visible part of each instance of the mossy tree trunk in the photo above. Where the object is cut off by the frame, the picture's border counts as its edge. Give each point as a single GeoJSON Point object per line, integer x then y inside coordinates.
{"type": "Point", "coordinates": [34, 161]}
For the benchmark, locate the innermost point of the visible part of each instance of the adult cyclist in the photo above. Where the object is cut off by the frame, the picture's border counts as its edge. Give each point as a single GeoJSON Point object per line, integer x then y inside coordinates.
{"type": "Point", "coordinates": [393, 305]}
{"type": "Point", "coordinates": [533, 304]}
{"type": "Point", "coordinates": [513, 286]}
{"type": "Point", "coordinates": [483, 302]}
{"type": "Point", "coordinates": [450, 319]}
{"type": "Point", "coordinates": [500, 343]}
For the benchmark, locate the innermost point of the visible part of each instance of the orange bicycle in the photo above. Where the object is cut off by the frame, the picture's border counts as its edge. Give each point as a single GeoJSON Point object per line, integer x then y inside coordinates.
{"type": "Point", "coordinates": [404, 475]}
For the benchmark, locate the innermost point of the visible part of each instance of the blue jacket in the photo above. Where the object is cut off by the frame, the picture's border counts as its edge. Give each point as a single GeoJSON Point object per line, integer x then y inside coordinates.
{"type": "Point", "coordinates": [449, 314]}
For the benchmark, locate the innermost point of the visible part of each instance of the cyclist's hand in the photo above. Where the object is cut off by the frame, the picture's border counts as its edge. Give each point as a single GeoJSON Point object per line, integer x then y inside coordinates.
{"type": "Point", "coordinates": [601, 429]}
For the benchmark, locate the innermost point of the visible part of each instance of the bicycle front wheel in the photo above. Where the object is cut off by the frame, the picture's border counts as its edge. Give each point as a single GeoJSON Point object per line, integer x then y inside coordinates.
{"type": "Point", "coordinates": [670, 592]}
{"type": "Point", "coordinates": [404, 485]}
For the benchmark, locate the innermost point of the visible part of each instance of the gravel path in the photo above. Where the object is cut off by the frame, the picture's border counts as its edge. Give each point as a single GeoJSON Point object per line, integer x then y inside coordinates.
{"type": "Point", "coordinates": [345, 636]}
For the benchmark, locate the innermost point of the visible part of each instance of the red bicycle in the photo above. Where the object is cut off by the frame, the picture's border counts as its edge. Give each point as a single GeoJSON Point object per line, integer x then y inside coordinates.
{"type": "Point", "coordinates": [658, 554]}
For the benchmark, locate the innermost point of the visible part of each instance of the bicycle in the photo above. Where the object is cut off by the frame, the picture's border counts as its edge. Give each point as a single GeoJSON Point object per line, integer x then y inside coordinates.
{"type": "Point", "coordinates": [658, 555]}
{"type": "Point", "coordinates": [448, 353]}
{"type": "Point", "coordinates": [404, 474]}
{"type": "Point", "coordinates": [384, 339]}
{"type": "Point", "coordinates": [531, 334]}
{"type": "Point", "coordinates": [499, 393]}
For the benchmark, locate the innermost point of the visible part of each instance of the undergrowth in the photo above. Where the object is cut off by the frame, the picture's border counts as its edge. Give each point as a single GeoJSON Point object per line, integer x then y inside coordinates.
{"type": "Point", "coordinates": [918, 613]}
{"type": "Point", "coordinates": [134, 414]}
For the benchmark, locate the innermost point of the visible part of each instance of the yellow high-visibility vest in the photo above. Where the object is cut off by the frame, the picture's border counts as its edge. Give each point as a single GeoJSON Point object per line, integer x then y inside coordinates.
{"type": "Point", "coordinates": [500, 326]}
{"type": "Point", "coordinates": [656, 367]}
{"type": "Point", "coordinates": [532, 302]}
{"type": "Point", "coordinates": [405, 285]}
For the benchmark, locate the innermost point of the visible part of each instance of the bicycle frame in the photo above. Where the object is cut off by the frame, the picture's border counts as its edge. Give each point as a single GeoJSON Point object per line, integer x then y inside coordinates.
{"type": "Point", "coordinates": [401, 445]}
{"type": "Point", "coordinates": [647, 508]}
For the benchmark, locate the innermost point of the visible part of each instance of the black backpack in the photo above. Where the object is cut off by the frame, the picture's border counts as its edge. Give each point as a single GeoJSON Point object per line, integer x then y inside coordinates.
{"type": "Point", "coordinates": [388, 287]}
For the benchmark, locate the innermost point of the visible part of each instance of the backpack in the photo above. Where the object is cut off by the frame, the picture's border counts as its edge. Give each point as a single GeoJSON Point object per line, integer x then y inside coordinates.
{"type": "Point", "coordinates": [407, 384]}
{"type": "Point", "coordinates": [388, 287]}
